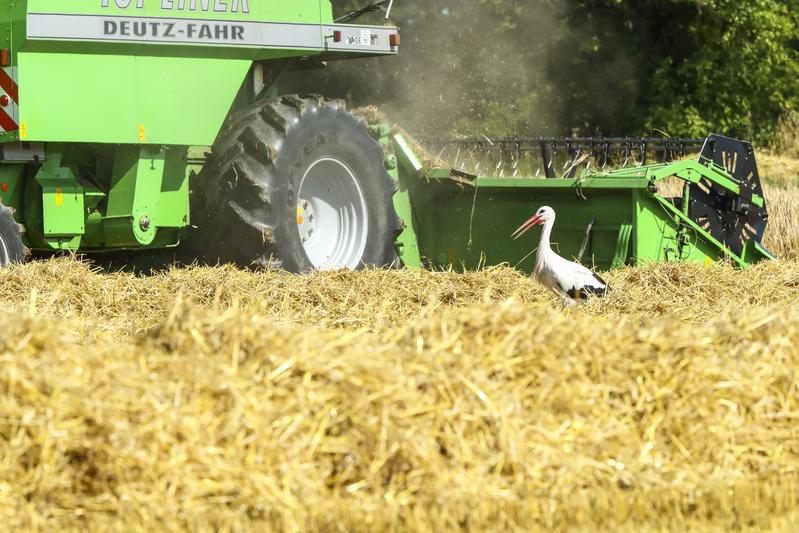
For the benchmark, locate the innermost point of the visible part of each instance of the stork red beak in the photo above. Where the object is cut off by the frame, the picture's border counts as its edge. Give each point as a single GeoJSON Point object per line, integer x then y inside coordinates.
{"type": "Point", "coordinates": [524, 228]}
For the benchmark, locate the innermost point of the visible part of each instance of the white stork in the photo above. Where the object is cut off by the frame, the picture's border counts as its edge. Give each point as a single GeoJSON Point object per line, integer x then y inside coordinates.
{"type": "Point", "coordinates": [568, 279]}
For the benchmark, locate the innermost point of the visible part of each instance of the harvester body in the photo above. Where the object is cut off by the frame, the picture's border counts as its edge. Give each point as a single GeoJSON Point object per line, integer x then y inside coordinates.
{"type": "Point", "coordinates": [108, 105]}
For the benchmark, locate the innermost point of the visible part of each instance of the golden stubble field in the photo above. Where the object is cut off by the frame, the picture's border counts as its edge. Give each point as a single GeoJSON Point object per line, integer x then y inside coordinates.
{"type": "Point", "coordinates": [222, 399]}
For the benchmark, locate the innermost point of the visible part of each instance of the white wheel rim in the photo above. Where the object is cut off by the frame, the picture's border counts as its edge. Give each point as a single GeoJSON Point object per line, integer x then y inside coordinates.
{"type": "Point", "coordinates": [5, 257]}
{"type": "Point", "coordinates": [332, 217]}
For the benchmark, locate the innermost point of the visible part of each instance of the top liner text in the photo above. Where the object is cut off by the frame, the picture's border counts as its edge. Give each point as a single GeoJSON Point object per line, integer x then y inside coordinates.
{"type": "Point", "coordinates": [217, 6]}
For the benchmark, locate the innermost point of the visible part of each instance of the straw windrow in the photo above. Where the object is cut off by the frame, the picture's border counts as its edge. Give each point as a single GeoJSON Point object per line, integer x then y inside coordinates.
{"type": "Point", "coordinates": [217, 398]}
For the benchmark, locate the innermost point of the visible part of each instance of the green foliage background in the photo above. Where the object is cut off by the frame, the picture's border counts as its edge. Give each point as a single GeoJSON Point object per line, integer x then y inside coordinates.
{"type": "Point", "coordinates": [609, 67]}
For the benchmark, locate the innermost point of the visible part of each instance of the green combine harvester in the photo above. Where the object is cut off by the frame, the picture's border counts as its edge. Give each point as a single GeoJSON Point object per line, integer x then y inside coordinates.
{"type": "Point", "coordinates": [143, 125]}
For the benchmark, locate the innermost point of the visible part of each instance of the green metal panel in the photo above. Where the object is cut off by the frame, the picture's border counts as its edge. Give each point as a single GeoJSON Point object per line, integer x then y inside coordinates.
{"type": "Point", "coordinates": [469, 222]}
{"type": "Point", "coordinates": [62, 200]}
{"type": "Point", "coordinates": [126, 99]}
{"type": "Point", "coordinates": [191, 111]}
{"type": "Point", "coordinates": [130, 218]}
{"type": "Point", "coordinates": [407, 241]}
{"type": "Point", "coordinates": [52, 111]}
{"type": "Point", "coordinates": [653, 234]}
{"type": "Point", "coordinates": [63, 208]}
{"type": "Point", "coordinates": [622, 252]}
{"type": "Point", "coordinates": [660, 236]}
{"type": "Point", "coordinates": [173, 202]}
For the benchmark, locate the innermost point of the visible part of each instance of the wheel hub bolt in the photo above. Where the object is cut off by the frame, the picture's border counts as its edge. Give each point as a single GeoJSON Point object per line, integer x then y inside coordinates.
{"type": "Point", "coordinates": [390, 162]}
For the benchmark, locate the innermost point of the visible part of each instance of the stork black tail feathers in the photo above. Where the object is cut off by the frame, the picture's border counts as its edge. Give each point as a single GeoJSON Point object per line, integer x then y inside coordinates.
{"type": "Point", "coordinates": [583, 293]}
{"type": "Point", "coordinates": [603, 289]}
{"type": "Point", "coordinates": [598, 289]}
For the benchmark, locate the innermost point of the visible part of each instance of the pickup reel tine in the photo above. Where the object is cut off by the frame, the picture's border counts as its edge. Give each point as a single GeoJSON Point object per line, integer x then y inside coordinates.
{"type": "Point", "coordinates": [601, 152]}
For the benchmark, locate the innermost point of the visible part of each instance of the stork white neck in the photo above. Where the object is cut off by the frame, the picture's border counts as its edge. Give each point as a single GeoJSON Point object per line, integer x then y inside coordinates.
{"type": "Point", "coordinates": [546, 232]}
{"type": "Point", "coordinates": [544, 247]}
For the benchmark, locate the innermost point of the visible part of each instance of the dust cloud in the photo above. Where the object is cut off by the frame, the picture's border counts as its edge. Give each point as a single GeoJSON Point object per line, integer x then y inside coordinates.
{"type": "Point", "coordinates": [465, 66]}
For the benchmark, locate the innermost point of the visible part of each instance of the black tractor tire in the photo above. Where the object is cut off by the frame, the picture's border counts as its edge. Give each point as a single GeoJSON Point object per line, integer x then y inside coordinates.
{"type": "Point", "coordinates": [12, 249]}
{"type": "Point", "coordinates": [245, 200]}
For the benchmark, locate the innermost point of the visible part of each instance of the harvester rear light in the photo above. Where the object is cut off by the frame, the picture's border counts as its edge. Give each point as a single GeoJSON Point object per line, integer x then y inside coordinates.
{"type": "Point", "coordinates": [4, 100]}
{"type": "Point", "coordinates": [394, 40]}
{"type": "Point", "coordinates": [5, 57]}
{"type": "Point", "coordinates": [337, 36]}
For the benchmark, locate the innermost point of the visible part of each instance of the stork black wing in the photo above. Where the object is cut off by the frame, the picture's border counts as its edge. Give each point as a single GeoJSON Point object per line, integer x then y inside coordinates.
{"type": "Point", "coordinates": [595, 287]}
{"type": "Point", "coordinates": [601, 281]}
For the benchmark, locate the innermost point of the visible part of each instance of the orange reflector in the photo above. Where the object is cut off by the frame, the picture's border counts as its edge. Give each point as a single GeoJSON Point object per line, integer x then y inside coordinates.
{"type": "Point", "coordinates": [4, 187]}
{"type": "Point", "coordinates": [5, 57]}
{"type": "Point", "coordinates": [394, 40]}
{"type": "Point", "coordinates": [337, 36]}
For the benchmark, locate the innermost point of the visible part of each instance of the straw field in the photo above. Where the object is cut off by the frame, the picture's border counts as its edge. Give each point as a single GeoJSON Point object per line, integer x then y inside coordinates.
{"type": "Point", "coordinates": [219, 399]}
{"type": "Point", "coordinates": [780, 176]}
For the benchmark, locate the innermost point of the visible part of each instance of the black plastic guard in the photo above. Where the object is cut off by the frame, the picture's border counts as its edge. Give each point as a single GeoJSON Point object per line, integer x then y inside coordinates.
{"type": "Point", "coordinates": [731, 219]}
